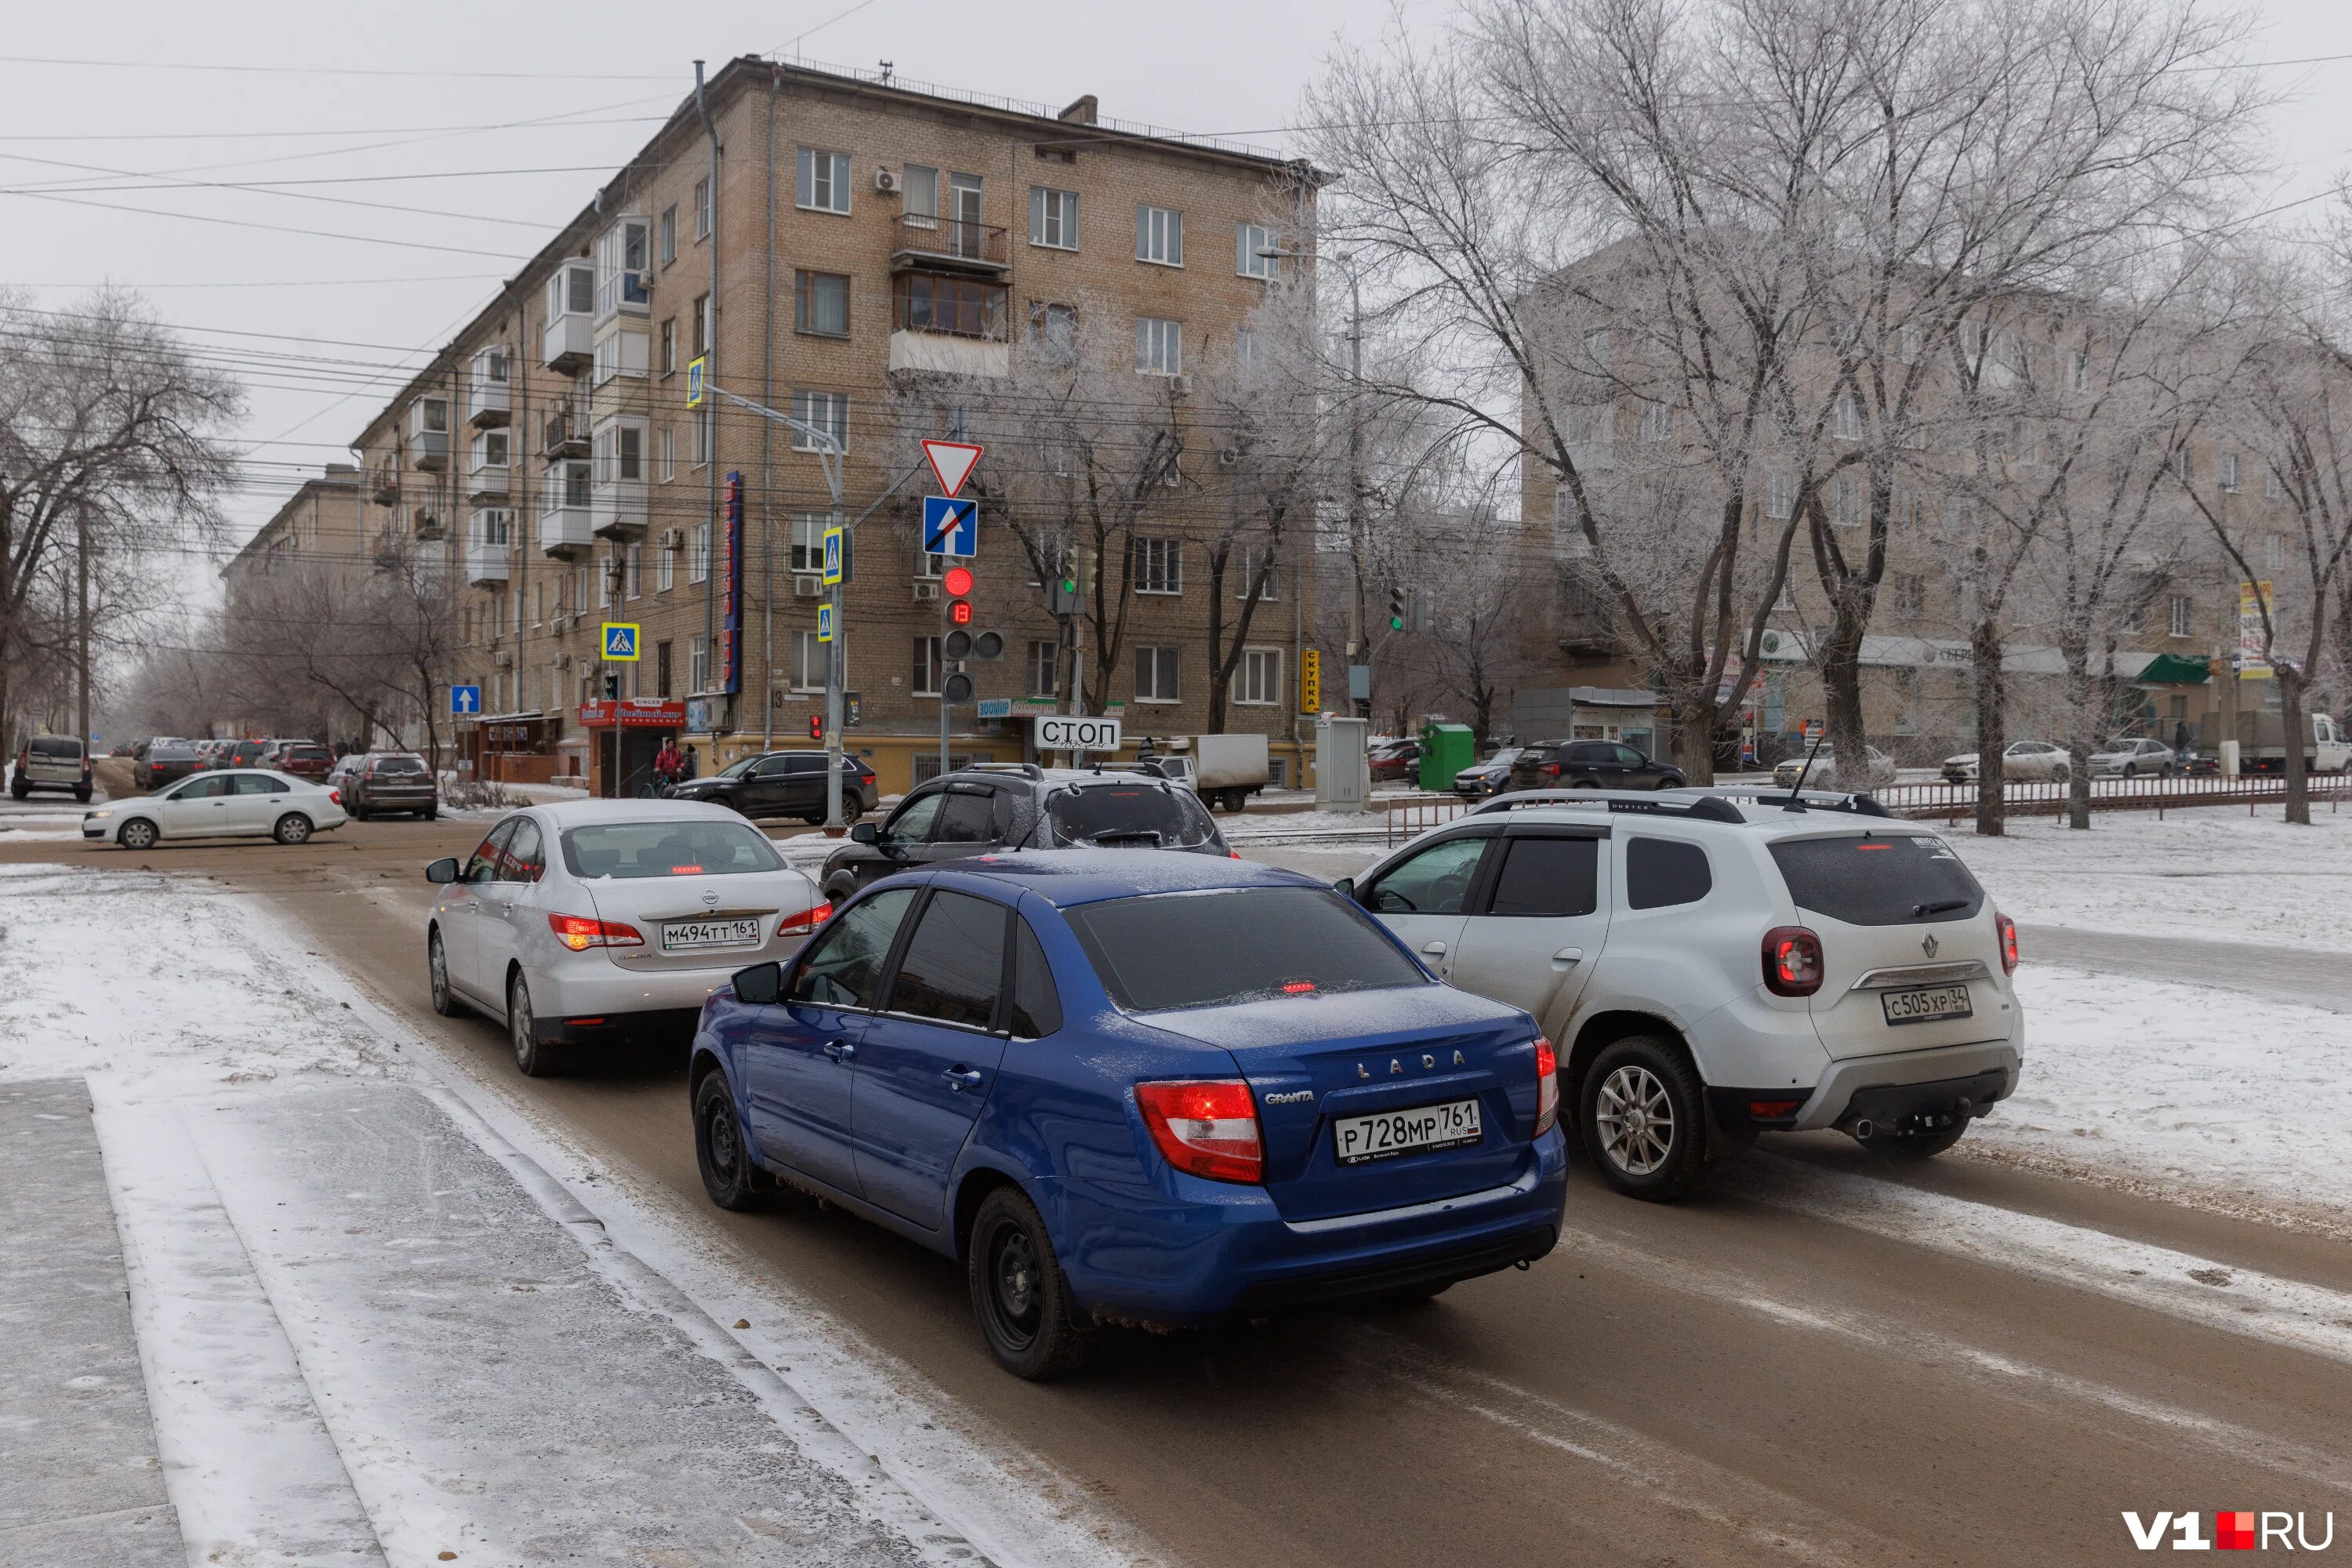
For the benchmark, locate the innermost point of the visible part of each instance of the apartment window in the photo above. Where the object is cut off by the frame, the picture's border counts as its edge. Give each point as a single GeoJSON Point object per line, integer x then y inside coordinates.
{"type": "Point", "coordinates": [808, 541]}
{"type": "Point", "coordinates": [620, 454]}
{"type": "Point", "coordinates": [2181, 468]}
{"type": "Point", "coordinates": [1054, 328]}
{"type": "Point", "coordinates": [698, 663]}
{"type": "Point", "coordinates": [1845, 417]}
{"type": "Point", "coordinates": [1780, 495]}
{"type": "Point", "coordinates": [1247, 563]}
{"type": "Point", "coordinates": [2079, 376]}
{"type": "Point", "coordinates": [636, 572]}
{"type": "Point", "coordinates": [1657, 419]}
{"type": "Point", "coordinates": [823, 181]}
{"type": "Point", "coordinates": [697, 559]}
{"type": "Point", "coordinates": [670, 452]}
{"type": "Point", "coordinates": [821, 304]}
{"type": "Point", "coordinates": [1845, 501]}
{"type": "Point", "coordinates": [1159, 235]}
{"type": "Point", "coordinates": [702, 207]}
{"type": "Point", "coordinates": [701, 418]}
{"type": "Point", "coordinates": [919, 196]}
{"type": "Point", "coordinates": [496, 528]}
{"type": "Point", "coordinates": [662, 664]}
{"type": "Point", "coordinates": [669, 345]}
{"type": "Point", "coordinates": [1159, 346]}
{"type": "Point", "coordinates": [2274, 553]}
{"type": "Point", "coordinates": [1045, 668]}
{"type": "Point", "coordinates": [811, 661]}
{"type": "Point", "coordinates": [669, 234]}
{"type": "Point", "coordinates": [1159, 565]}
{"type": "Point", "coordinates": [1257, 681]}
{"type": "Point", "coordinates": [604, 585]}
{"type": "Point", "coordinates": [1053, 218]}
{"type": "Point", "coordinates": [701, 324]}
{"type": "Point", "coordinates": [926, 666]}
{"type": "Point", "coordinates": [1253, 242]}
{"type": "Point", "coordinates": [1155, 673]}
{"type": "Point", "coordinates": [489, 450]}
{"type": "Point", "coordinates": [1788, 599]}
{"type": "Point", "coordinates": [2178, 622]}
{"type": "Point", "coordinates": [665, 579]}
{"type": "Point", "coordinates": [2229, 472]}
{"type": "Point", "coordinates": [828, 411]}
{"type": "Point", "coordinates": [1910, 595]}
{"type": "Point", "coordinates": [2271, 487]}
{"type": "Point", "coordinates": [539, 602]}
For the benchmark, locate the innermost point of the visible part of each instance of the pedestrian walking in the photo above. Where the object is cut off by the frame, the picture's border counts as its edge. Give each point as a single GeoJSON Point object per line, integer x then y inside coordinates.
{"type": "Point", "coordinates": [693, 763]}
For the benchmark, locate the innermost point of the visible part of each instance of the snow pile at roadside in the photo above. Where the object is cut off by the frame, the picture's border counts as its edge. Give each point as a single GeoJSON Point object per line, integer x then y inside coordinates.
{"type": "Point", "coordinates": [2177, 1086]}
{"type": "Point", "coordinates": [2215, 874]}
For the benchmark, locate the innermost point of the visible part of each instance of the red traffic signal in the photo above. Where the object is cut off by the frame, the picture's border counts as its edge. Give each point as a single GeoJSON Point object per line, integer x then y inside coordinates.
{"type": "Point", "coordinates": [817, 726]}
{"type": "Point", "coordinates": [958, 582]}
{"type": "Point", "coordinates": [960, 612]}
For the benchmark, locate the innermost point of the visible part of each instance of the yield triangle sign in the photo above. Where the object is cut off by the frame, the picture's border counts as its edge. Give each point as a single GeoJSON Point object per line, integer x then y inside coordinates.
{"type": "Point", "coordinates": [951, 461]}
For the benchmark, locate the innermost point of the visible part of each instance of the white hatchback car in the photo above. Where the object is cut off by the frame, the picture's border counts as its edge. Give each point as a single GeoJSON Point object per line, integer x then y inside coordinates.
{"type": "Point", "coordinates": [232, 803]}
{"type": "Point", "coordinates": [1715, 965]}
{"type": "Point", "coordinates": [601, 918]}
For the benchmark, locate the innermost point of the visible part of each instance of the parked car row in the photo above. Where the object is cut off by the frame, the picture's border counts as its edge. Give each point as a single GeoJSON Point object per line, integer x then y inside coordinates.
{"type": "Point", "coordinates": [1137, 1088]}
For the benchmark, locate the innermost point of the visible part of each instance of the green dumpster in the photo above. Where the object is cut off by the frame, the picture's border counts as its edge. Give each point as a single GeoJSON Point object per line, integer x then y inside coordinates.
{"type": "Point", "coordinates": [1445, 751]}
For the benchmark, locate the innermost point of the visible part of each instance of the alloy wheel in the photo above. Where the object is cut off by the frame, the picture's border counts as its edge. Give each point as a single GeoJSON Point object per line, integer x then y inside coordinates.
{"type": "Point", "coordinates": [519, 1020]}
{"type": "Point", "coordinates": [437, 964]}
{"type": "Point", "coordinates": [1635, 1118]}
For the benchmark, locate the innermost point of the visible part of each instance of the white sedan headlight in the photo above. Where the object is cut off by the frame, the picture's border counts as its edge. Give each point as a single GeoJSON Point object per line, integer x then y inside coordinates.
{"type": "Point", "coordinates": [97, 816]}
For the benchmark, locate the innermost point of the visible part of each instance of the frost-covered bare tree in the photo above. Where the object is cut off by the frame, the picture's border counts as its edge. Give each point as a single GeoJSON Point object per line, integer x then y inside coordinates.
{"type": "Point", "coordinates": [1725, 247]}
{"type": "Point", "coordinates": [106, 422]}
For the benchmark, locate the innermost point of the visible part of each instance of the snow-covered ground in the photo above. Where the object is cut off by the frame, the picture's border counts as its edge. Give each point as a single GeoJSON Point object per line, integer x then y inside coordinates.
{"type": "Point", "coordinates": [2216, 874]}
{"type": "Point", "coordinates": [384, 1316]}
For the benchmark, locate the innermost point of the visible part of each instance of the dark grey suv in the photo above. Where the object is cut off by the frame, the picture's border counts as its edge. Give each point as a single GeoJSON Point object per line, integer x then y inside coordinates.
{"type": "Point", "coordinates": [1019, 805]}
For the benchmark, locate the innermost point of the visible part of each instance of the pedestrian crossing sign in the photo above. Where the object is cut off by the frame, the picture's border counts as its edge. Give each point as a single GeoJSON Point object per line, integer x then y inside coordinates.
{"type": "Point", "coordinates": [694, 382]}
{"type": "Point", "coordinates": [621, 641]}
{"type": "Point", "coordinates": [824, 623]}
{"type": "Point", "coordinates": [833, 556]}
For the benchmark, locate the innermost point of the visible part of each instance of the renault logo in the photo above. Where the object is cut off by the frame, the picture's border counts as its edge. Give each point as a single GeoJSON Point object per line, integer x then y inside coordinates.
{"type": "Point", "coordinates": [1928, 944]}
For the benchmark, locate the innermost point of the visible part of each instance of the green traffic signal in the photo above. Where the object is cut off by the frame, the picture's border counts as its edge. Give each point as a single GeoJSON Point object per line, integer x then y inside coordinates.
{"type": "Point", "coordinates": [1396, 623]}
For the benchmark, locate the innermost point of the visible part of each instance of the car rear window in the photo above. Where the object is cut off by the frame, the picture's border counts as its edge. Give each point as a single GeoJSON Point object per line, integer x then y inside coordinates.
{"type": "Point", "coordinates": [62, 748]}
{"type": "Point", "coordinates": [311, 754]}
{"type": "Point", "coordinates": [397, 765]}
{"type": "Point", "coordinates": [668, 849]}
{"type": "Point", "coordinates": [1158, 951]}
{"type": "Point", "coordinates": [172, 754]}
{"type": "Point", "coordinates": [1876, 879]}
{"type": "Point", "coordinates": [1133, 814]}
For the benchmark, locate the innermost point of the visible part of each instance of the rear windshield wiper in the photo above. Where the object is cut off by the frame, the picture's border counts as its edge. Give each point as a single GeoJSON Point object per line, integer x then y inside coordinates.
{"type": "Point", "coordinates": [1940, 906]}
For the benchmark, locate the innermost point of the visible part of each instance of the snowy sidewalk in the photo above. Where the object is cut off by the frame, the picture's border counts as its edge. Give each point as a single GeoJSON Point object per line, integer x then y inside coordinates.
{"type": "Point", "coordinates": [79, 1478]}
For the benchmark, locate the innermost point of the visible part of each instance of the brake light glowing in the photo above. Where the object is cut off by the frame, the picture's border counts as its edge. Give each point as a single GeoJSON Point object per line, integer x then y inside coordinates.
{"type": "Point", "coordinates": [1205, 1127]}
{"type": "Point", "coordinates": [1546, 1086]}
{"type": "Point", "coordinates": [2008, 929]}
{"type": "Point", "coordinates": [1297, 987]}
{"type": "Point", "coordinates": [578, 934]}
{"type": "Point", "coordinates": [805, 922]}
{"type": "Point", "coordinates": [1792, 962]}
{"type": "Point", "coordinates": [685, 870]}
{"type": "Point", "coordinates": [1552, 769]}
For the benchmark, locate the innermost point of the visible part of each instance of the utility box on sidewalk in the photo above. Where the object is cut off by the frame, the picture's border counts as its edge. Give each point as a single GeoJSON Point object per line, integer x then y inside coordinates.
{"type": "Point", "coordinates": [1445, 751]}
{"type": "Point", "coordinates": [1342, 777]}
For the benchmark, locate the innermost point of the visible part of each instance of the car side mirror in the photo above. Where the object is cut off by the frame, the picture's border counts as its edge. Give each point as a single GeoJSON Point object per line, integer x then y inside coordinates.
{"type": "Point", "coordinates": [865, 833]}
{"type": "Point", "coordinates": [758, 985]}
{"type": "Point", "coordinates": [445, 869]}
{"type": "Point", "coordinates": [1346, 888]}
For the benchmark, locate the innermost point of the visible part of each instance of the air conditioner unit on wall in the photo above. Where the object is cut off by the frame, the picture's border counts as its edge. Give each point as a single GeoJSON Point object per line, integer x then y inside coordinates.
{"type": "Point", "coordinates": [925, 590]}
{"type": "Point", "coordinates": [673, 538]}
{"type": "Point", "coordinates": [808, 585]}
{"type": "Point", "coordinates": [886, 180]}
{"type": "Point", "coordinates": [563, 661]}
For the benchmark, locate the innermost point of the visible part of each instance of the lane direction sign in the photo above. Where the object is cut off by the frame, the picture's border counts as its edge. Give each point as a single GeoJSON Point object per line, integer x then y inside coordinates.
{"type": "Point", "coordinates": [951, 527]}
{"type": "Point", "coordinates": [465, 700]}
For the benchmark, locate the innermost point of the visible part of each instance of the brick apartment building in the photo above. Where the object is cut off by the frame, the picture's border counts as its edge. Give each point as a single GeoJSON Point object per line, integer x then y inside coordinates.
{"type": "Point", "coordinates": [325, 520]}
{"type": "Point", "coordinates": [858, 234]}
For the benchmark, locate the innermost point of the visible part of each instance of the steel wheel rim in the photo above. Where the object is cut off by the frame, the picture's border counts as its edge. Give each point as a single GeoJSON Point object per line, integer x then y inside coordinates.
{"type": "Point", "coordinates": [438, 963]}
{"type": "Point", "coordinates": [1636, 1120]}
{"type": "Point", "coordinates": [719, 1140]}
{"type": "Point", "coordinates": [1016, 1286]}
{"type": "Point", "coordinates": [295, 831]}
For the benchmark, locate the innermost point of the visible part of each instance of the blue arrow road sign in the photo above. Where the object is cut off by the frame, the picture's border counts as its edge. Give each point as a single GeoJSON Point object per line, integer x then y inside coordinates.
{"type": "Point", "coordinates": [465, 700]}
{"type": "Point", "coordinates": [951, 527]}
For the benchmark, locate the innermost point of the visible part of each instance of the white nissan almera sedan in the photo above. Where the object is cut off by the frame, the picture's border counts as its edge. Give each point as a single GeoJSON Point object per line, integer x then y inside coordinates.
{"type": "Point", "coordinates": [606, 917]}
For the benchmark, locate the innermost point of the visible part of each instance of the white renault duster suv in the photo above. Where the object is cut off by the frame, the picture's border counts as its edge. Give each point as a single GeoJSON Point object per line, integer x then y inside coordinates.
{"type": "Point", "coordinates": [1714, 964]}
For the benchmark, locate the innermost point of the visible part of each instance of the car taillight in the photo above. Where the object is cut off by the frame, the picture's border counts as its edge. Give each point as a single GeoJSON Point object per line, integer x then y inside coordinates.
{"type": "Point", "coordinates": [336, 796]}
{"type": "Point", "coordinates": [805, 922]}
{"type": "Point", "coordinates": [1546, 1086]}
{"type": "Point", "coordinates": [1552, 769]}
{"type": "Point", "coordinates": [1792, 962]}
{"type": "Point", "coordinates": [2008, 929]}
{"type": "Point", "coordinates": [578, 934]}
{"type": "Point", "coordinates": [1207, 1127]}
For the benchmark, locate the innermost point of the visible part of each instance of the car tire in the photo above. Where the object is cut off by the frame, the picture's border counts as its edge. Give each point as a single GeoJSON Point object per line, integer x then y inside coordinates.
{"type": "Point", "coordinates": [2061, 773]}
{"type": "Point", "coordinates": [2131, 770]}
{"type": "Point", "coordinates": [1916, 1145]}
{"type": "Point", "coordinates": [1018, 1293]}
{"type": "Point", "coordinates": [536, 1058]}
{"type": "Point", "coordinates": [432, 814]}
{"type": "Point", "coordinates": [19, 788]}
{"type": "Point", "coordinates": [436, 975]}
{"type": "Point", "coordinates": [356, 812]}
{"type": "Point", "coordinates": [82, 796]}
{"type": "Point", "coordinates": [728, 801]}
{"type": "Point", "coordinates": [292, 828]}
{"type": "Point", "coordinates": [138, 834]}
{"type": "Point", "coordinates": [729, 1177]}
{"type": "Point", "coordinates": [1667, 781]}
{"type": "Point", "coordinates": [1640, 1112]}
{"type": "Point", "coordinates": [1586, 784]}
{"type": "Point", "coordinates": [842, 885]}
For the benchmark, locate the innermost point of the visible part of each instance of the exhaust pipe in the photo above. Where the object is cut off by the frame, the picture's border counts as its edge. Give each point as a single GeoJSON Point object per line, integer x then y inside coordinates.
{"type": "Point", "coordinates": [1863, 1128]}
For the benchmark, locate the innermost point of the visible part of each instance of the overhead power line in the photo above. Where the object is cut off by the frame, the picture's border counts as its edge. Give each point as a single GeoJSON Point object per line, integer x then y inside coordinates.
{"type": "Point", "coordinates": [333, 70]}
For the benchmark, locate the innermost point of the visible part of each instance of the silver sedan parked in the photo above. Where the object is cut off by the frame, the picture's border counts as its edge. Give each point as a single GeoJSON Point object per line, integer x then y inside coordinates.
{"type": "Point", "coordinates": [2131, 758]}
{"type": "Point", "coordinates": [231, 803]}
{"type": "Point", "coordinates": [604, 919]}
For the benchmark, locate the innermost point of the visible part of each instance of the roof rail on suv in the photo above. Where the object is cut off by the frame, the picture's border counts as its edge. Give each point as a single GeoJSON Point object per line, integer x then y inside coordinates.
{"type": "Point", "coordinates": [1858, 803]}
{"type": "Point", "coordinates": [1705, 807]}
{"type": "Point", "coordinates": [1026, 770]}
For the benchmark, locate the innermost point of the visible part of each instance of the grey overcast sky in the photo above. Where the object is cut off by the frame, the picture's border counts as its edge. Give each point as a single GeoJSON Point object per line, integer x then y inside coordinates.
{"type": "Point", "coordinates": [373, 104]}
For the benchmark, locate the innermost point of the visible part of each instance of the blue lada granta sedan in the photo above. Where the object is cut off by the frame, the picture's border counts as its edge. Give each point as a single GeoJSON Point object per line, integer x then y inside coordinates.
{"type": "Point", "coordinates": [1134, 1088]}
